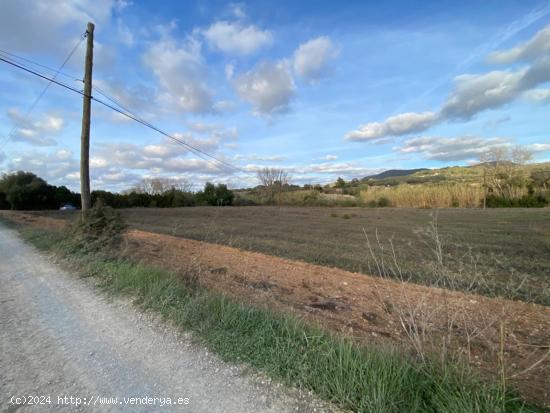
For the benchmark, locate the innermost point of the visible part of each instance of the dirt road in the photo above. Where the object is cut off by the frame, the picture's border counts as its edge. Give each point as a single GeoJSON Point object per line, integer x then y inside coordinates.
{"type": "Point", "coordinates": [68, 346]}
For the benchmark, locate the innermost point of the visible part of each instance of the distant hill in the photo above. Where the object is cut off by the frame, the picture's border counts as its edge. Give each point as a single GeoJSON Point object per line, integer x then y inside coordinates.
{"type": "Point", "coordinates": [392, 173]}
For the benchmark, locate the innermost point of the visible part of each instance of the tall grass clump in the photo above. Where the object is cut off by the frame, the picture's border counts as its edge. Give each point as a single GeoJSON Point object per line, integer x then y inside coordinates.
{"type": "Point", "coordinates": [353, 376]}
{"type": "Point", "coordinates": [426, 196]}
{"type": "Point", "coordinates": [99, 229]}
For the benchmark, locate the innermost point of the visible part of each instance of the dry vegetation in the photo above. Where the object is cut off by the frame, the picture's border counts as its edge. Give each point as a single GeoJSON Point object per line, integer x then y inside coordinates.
{"type": "Point", "coordinates": [506, 340]}
{"type": "Point", "coordinates": [466, 195]}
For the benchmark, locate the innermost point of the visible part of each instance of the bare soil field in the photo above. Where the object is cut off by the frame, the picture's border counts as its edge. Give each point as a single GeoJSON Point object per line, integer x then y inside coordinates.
{"type": "Point", "coordinates": [495, 252]}
{"type": "Point", "coordinates": [502, 338]}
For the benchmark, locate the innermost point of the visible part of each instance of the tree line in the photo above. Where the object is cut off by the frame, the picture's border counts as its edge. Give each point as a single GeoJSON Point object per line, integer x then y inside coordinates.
{"type": "Point", "coordinates": [26, 191]}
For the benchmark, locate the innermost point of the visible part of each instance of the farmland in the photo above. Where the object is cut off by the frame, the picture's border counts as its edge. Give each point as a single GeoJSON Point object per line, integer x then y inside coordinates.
{"type": "Point", "coordinates": [506, 249]}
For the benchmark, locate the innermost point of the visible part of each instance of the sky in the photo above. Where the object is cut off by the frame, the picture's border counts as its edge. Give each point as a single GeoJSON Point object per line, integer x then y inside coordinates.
{"type": "Point", "coordinates": [322, 89]}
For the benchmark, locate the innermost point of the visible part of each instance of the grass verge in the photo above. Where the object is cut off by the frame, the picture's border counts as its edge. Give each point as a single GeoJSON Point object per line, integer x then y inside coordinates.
{"type": "Point", "coordinates": [363, 379]}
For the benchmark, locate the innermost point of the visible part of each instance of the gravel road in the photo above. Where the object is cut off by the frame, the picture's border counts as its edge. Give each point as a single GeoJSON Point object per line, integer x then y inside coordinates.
{"type": "Point", "coordinates": [60, 337]}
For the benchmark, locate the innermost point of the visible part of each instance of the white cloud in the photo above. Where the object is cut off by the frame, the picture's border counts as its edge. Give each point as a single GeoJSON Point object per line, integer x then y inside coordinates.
{"type": "Point", "coordinates": [401, 124]}
{"type": "Point", "coordinates": [52, 166]}
{"type": "Point", "coordinates": [22, 23]}
{"type": "Point", "coordinates": [181, 74]}
{"type": "Point", "coordinates": [326, 158]}
{"type": "Point", "coordinates": [259, 158]}
{"type": "Point", "coordinates": [538, 147]}
{"type": "Point", "coordinates": [224, 106]}
{"type": "Point", "coordinates": [237, 9]}
{"type": "Point", "coordinates": [471, 95]}
{"type": "Point", "coordinates": [532, 49]}
{"type": "Point", "coordinates": [229, 71]}
{"type": "Point", "coordinates": [451, 149]}
{"type": "Point", "coordinates": [35, 131]}
{"type": "Point", "coordinates": [311, 59]}
{"type": "Point", "coordinates": [234, 38]}
{"type": "Point", "coordinates": [125, 35]}
{"type": "Point", "coordinates": [268, 87]}
{"type": "Point", "coordinates": [538, 95]}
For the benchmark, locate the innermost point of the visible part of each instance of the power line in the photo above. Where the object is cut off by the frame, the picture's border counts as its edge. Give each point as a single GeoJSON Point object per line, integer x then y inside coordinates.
{"type": "Point", "coordinates": [191, 148]}
{"type": "Point", "coordinates": [135, 117]}
{"type": "Point", "coordinates": [33, 105]}
{"type": "Point", "coordinates": [32, 62]}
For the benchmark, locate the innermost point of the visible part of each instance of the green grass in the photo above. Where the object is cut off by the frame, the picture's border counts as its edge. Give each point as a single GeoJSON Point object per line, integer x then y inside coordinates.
{"type": "Point", "coordinates": [363, 379]}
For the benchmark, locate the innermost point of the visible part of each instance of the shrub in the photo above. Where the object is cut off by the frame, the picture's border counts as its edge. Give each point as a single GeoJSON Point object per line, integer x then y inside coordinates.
{"type": "Point", "coordinates": [216, 195]}
{"type": "Point", "coordinates": [25, 190]}
{"type": "Point", "coordinates": [383, 202]}
{"type": "Point", "coordinates": [526, 201]}
{"type": "Point", "coordinates": [99, 229]}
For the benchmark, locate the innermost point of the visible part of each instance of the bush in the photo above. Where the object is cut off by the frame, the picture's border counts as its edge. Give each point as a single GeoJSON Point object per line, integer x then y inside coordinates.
{"type": "Point", "coordinates": [526, 201]}
{"type": "Point", "coordinates": [25, 190]}
{"type": "Point", "coordinates": [383, 202]}
{"type": "Point", "coordinates": [99, 229]}
{"type": "Point", "coordinates": [216, 195]}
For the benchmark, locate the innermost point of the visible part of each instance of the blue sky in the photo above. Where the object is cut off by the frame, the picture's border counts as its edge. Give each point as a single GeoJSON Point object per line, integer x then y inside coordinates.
{"type": "Point", "coordinates": [321, 89]}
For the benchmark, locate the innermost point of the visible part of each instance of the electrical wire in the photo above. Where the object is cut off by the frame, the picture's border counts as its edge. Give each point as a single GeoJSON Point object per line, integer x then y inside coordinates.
{"type": "Point", "coordinates": [17, 125]}
{"type": "Point", "coordinates": [134, 116]}
{"type": "Point", "coordinates": [16, 57]}
{"type": "Point", "coordinates": [191, 148]}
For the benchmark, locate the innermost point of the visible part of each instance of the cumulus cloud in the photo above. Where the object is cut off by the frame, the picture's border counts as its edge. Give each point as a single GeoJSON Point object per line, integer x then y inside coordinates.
{"type": "Point", "coordinates": [259, 158]}
{"type": "Point", "coordinates": [268, 87]}
{"type": "Point", "coordinates": [311, 60]}
{"type": "Point", "coordinates": [472, 94]}
{"type": "Point", "coordinates": [538, 95]}
{"type": "Point", "coordinates": [35, 131]}
{"type": "Point", "coordinates": [56, 167]}
{"type": "Point", "coordinates": [136, 96]}
{"type": "Point", "coordinates": [532, 49]}
{"type": "Point", "coordinates": [237, 9]}
{"type": "Point", "coordinates": [57, 16]}
{"type": "Point", "coordinates": [125, 35]}
{"type": "Point", "coordinates": [180, 70]}
{"type": "Point", "coordinates": [394, 126]}
{"type": "Point", "coordinates": [538, 147]}
{"type": "Point", "coordinates": [476, 93]}
{"type": "Point", "coordinates": [451, 149]}
{"type": "Point", "coordinates": [234, 38]}
{"type": "Point", "coordinates": [324, 172]}
{"type": "Point", "coordinates": [327, 158]}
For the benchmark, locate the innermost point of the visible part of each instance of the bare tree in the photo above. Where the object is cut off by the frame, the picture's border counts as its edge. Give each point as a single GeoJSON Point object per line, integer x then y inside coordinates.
{"type": "Point", "coordinates": [502, 169]}
{"type": "Point", "coordinates": [274, 182]}
{"type": "Point", "coordinates": [156, 186]}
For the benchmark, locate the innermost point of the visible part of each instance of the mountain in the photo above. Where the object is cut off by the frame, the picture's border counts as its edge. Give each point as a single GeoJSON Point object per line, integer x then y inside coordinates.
{"type": "Point", "coordinates": [392, 173]}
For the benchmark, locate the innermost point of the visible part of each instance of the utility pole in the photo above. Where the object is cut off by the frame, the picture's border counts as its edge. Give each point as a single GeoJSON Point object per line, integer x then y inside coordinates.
{"type": "Point", "coordinates": [484, 187]}
{"type": "Point", "coordinates": [86, 112]}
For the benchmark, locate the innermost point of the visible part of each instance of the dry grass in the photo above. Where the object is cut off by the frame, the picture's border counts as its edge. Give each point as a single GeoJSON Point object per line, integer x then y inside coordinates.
{"type": "Point", "coordinates": [427, 196]}
{"type": "Point", "coordinates": [502, 247]}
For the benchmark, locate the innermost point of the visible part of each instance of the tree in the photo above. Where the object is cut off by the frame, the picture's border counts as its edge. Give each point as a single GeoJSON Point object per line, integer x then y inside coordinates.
{"type": "Point", "coordinates": [24, 190]}
{"type": "Point", "coordinates": [216, 195]}
{"type": "Point", "coordinates": [156, 186]}
{"type": "Point", "coordinates": [340, 183]}
{"type": "Point", "coordinates": [274, 182]}
{"type": "Point", "coordinates": [502, 173]}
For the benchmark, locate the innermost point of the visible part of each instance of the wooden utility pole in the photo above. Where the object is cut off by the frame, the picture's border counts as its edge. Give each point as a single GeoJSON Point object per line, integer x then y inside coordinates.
{"type": "Point", "coordinates": [484, 187]}
{"type": "Point", "coordinates": [86, 112]}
